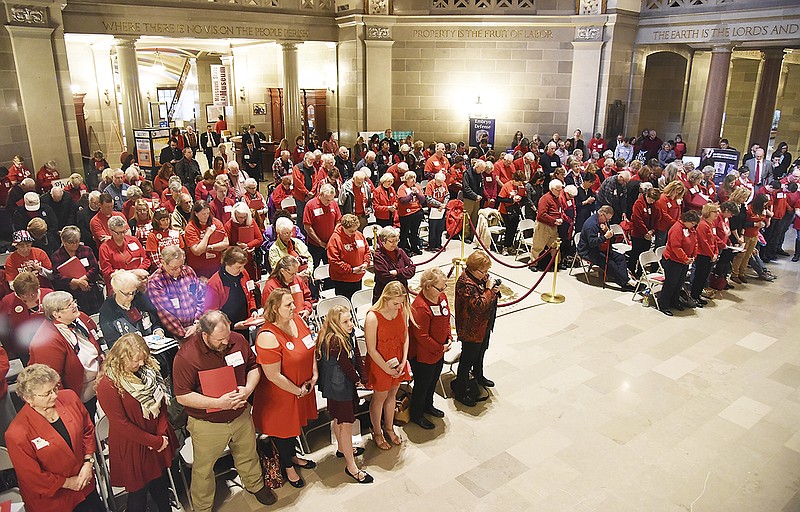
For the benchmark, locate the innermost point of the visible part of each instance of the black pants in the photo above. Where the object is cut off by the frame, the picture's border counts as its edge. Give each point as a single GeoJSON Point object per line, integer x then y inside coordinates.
{"type": "Point", "coordinates": [318, 254]}
{"type": "Point", "coordinates": [616, 271]}
{"type": "Point", "coordinates": [511, 221]}
{"type": "Point", "coordinates": [674, 276]}
{"type": "Point", "coordinates": [346, 289]}
{"type": "Point", "coordinates": [209, 156]}
{"type": "Point", "coordinates": [567, 243]}
{"type": "Point", "coordinates": [435, 229]}
{"type": "Point", "coordinates": [775, 235]}
{"type": "Point", "coordinates": [425, 378]}
{"type": "Point", "coordinates": [92, 503]}
{"type": "Point", "coordinates": [286, 450]}
{"type": "Point", "coordinates": [702, 269]}
{"type": "Point", "coordinates": [91, 408]}
{"type": "Point", "coordinates": [472, 355]}
{"type": "Point", "coordinates": [723, 266]}
{"type": "Point", "coordinates": [638, 246]}
{"type": "Point", "coordinates": [409, 232]}
{"type": "Point", "coordinates": [159, 490]}
{"type": "Point", "coordinates": [384, 222]}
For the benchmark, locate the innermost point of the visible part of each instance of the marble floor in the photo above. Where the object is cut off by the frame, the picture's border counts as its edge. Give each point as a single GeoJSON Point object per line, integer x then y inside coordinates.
{"type": "Point", "coordinates": [602, 405]}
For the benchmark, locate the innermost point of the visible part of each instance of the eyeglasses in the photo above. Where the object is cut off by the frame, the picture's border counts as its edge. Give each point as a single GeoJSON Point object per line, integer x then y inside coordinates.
{"type": "Point", "coordinates": [53, 391]}
{"type": "Point", "coordinates": [442, 289]}
{"type": "Point", "coordinates": [73, 303]}
{"type": "Point", "coordinates": [127, 294]}
{"type": "Point", "coordinates": [119, 232]}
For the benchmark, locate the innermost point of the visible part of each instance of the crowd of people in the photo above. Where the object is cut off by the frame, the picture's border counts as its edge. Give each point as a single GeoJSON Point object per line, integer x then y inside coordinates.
{"type": "Point", "coordinates": [102, 270]}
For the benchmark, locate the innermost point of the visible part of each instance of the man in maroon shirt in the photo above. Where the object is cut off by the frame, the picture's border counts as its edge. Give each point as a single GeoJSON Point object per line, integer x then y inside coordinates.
{"type": "Point", "coordinates": [319, 219]}
{"type": "Point", "coordinates": [215, 423]}
{"type": "Point", "coordinates": [548, 217]}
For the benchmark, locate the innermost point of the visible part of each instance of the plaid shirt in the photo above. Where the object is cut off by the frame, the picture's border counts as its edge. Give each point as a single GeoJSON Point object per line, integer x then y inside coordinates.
{"type": "Point", "coordinates": [179, 302]}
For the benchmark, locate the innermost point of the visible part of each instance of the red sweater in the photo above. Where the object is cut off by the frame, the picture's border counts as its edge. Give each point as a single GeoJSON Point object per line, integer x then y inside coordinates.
{"type": "Point", "coordinates": [409, 200]}
{"type": "Point", "coordinates": [752, 218]}
{"type": "Point", "coordinates": [382, 198]}
{"type": "Point", "coordinates": [299, 289]}
{"type": "Point", "coordinates": [707, 241]}
{"type": "Point", "coordinates": [667, 214]}
{"type": "Point", "coordinates": [130, 256]}
{"type": "Point", "coordinates": [432, 332]}
{"type": "Point", "coordinates": [643, 218]}
{"type": "Point", "coordinates": [346, 252]}
{"type": "Point", "coordinates": [681, 243]}
{"type": "Point", "coordinates": [549, 209]}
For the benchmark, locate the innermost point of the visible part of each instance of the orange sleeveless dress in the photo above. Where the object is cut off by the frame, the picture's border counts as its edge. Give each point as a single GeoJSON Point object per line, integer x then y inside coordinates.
{"type": "Point", "coordinates": [276, 412]}
{"type": "Point", "coordinates": [391, 335]}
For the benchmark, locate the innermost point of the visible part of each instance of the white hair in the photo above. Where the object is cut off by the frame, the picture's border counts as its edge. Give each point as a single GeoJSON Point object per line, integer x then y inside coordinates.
{"type": "Point", "coordinates": [327, 190]}
{"type": "Point", "coordinates": [608, 154]}
{"type": "Point", "coordinates": [409, 175]}
{"type": "Point", "coordinates": [571, 190]}
{"type": "Point", "coordinates": [404, 148]}
{"type": "Point", "coordinates": [402, 166]}
{"type": "Point", "coordinates": [387, 177]}
{"type": "Point", "coordinates": [627, 175]}
{"type": "Point", "coordinates": [439, 176]}
{"type": "Point", "coordinates": [327, 157]}
{"type": "Point", "coordinates": [283, 224]}
{"type": "Point", "coordinates": [359, 174]}
{"type": "Point", "coordinates": [233, 164]}
{"type": "Point", "coordinates": [508, 157]}
{"type": "Point", "coordinates": [529, 157]}
{"type": "Point", "coordinates": [555, 184]}
{"type": "Point", "coordinates": [250, 182]}
{"type": "Point", "coordinates": [370, 154]}
{"type": "Point", "coordinates": [440, 146]}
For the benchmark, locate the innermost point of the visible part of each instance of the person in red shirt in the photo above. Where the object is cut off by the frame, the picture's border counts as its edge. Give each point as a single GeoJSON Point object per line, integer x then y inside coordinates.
{"type": "Point", "coordinates": [23, 313]}
{"type": "Point", "coordinates": [230, 290]}
{"type": "Point", "coordinates": [668, 208]}
{"type": "Point", "coordinates": [549, 216]}
{"type": "Point", "coordinates": [28, 258]}
{"type": "Point", "coordinates": [783, 214]}
{"type": "Point", "coordinates": [18, 172]}
{"type": "Point", "coordinates": [680, 252]}
{"type": "Point", "coordinates": [409, 207]}
{"type": "Point", "coordinates": [204, 190]}
{"type": "Point", "coordinates": [504, 168]}
{"type": "Point", "coordinates": [285, 274]}
{"type": "Point", "coordinates": [122, 251]}
{"type": "Point", "coordinates": [221, 205]}
{"type": "Point", "coordinates": [46, 176]}
{"type": "Point", "coordinates": [281, 192]}
{"type": "Point", "coordinates": [319, 219]}
{"type": "Point", "coordinates": [728, 209]}
{"type": "Point", "coordinates": [384, 201]}
{"type": "Point", "coordinates": [756, 219]}
{"type": "Point", "coordinates": [707, 251]}
{"type": "Point", "coordinates": [694, 198]}
{"type": "Point", "coordinates": [348, 256]}
{"type": "Point", "coordinates": [429, 338]}
{"type": "Point", "coordinates": [598, 144]}
{"type": "Point", "coordinates": [437, 162]}
{"type": "Point", "coordinates": [528, 164]}
{"type": "Point", "coordinates": [161, 236]}
{"type": "Point", "coordinates": [512, 199]}
{"type": "Point", "coordinates": [221, 125]}
{"type": "Point", "coordinates": [679, 147]}
{"type": "Point", "coordinates": [205, 239]}
{"type": "Point", "coordinates": [643, 227]}
{"type": "Point", "coordinates": [303, 183]}
{"type": "Point", "coordinates": [99, 223]}
{"type": "Point", "coordinates": [299, 151]}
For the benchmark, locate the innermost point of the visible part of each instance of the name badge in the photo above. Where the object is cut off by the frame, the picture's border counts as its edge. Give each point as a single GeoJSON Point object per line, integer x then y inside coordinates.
{"type": "Point", "coordinates": [714, 230]}
{"type": "Point", "coordinates": [146, 322]}
{"type": "Point", "coordinates": [210, 255]}
{"type": "Point", "coordinates": [436, 163]}
{"type": "Point", "coordinates": [552, 164]}
{"type": "Point", "coordinates": [669, 205]}
{"type": "Point", "coordinates": [318, 212]}
{"type": "Point", "coordinates": [710, 190]}
{"type": "Point", "coordinates": [158, 394]}
{"type": "Point", "coordinates": [228, 208]}
{"type": "Point", "coordinates": [234, 359]}
{"type": "Point", "coordinates": [173, 233]}
{"type": "Point", "coordinates": [247, 157]}
{"type": "Point", "coordinates": [85, 262]}
{"type": "Point", "coordinates": [488, 178]}
{"type": "Point", "coordinates": [679, 201]}
{"type": "Point", "coordinates": [685, 232]}
{"type": "Point", "coordinates": [436, 310]}
{"type": "Point", "coordinates": [176, 303]}
{"type": "Point", "coordinates": [780, 195]}
{"type": "Point", "coordinates": [133, 246]}
{"type": "Point", "coordinates": [308, 341]}
{"type": "Point", "coordinates": [693, 190]}
{"type": "Point", "coordinates": [295, 288]}
{"type": "Point", "coordinates": [250, 285]}
{"type": "Point", "coordinates": [569, 203]}
{"type": "Point", "coordinates": [39, 443]}
{"type": "Point", "coordinates": [359, 243]}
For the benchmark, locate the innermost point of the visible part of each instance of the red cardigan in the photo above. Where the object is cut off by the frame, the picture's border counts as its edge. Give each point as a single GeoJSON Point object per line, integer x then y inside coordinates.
{"type": "Point", "coordinates": [381, 200]}
{"type": "Point", "coordinates": [549, 209]}
{"type": "Point", "coordinates": [300, 292]}
{"type": "Point", "coordinates": [217, 294]}
{"type": "Point", "coordinates": [432, 332]}
{"type": "Point", "coordinates": [51, 348]}
{"type": "Point", "coordinates": [668, 212]}
{"type": "Point", "coordinates": [681, 243]}
{"type": "Point", "coordinates": [43, 460]}
{"type": "Point", "coordinates": [707, 239]}
{"type": "Point", "coordinates": [133, 441]}
{"type": "Point", "coordinates": [643, 218]}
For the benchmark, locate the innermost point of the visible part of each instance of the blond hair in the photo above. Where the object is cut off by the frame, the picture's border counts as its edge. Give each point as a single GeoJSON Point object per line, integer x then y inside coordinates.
{"type": "Point", "coordinates": [394, 290]}
{"type": "Point", "coordinates": [125, 349]}
{"type": "Point", "coordinates": [273, 302]}
{"type": "Point", "coordinates": [332, 328]}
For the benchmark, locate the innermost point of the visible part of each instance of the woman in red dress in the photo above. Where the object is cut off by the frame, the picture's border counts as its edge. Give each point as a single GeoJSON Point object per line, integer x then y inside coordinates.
{"type": "Point", "coordinates": [141, 442]}
{"type": "Point", "coordinates": [386, 334]}
{"type": "Point", "coordinates": [285, 400]}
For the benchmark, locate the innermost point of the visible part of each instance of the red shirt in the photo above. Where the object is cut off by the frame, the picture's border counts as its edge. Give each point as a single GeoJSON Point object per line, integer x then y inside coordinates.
{"type": "Point", "coordinates": [681, 243]}
{"type": "Point", "coordinates": [45, 178]}
{"type": "Point", "coordinates": [723, 232]}
{"type": "Point", "coordinates": [220, 126]}
{"type": "Point", "coordinates": [221, 210]}
{"type": "Point", "coordinates": [752, 218]}
{"type": "Point", "coordinates": [668, 212]}
{"type": "Point", "coordinates": [694, 199]}
{"type": "Point", "coordinates": [643, 218]}
{"type": "Point", "coordinates": [322, 219]}
{"type": "Point", "coordinates": [707, 241]}
{"type": "Point", "coordinates": [549, 209]}
{"type": "Point", "coordinates": [299, 289]}
{"type": "Point", "coordinates": [16, 263]}
{"type": "Point", "coordinates": [509, 190]}
{"type": "Point", "coordinates": [99, 225]}
{"type": "Point", "coordinates": [130, 256]}
{"type": "Point", "coordinates": [358, 200]}
{"type": "Point", "coordinates": [157, 240]}
{"type": "Point", "coordinates": [432, 332]}
{"type": "Point", "coordinates": [435, 164]}
{"type": "Point", "coordinates": [207, 263]}
{"type": "Point", "coordinates": [17, 174]}
{"type": "Point", "coordinates": [279, 194]}
{"type": "Point", "coordinates": [346, 252]}
{"type": "Point", "coordinates": [408, 201]}
{"type": "Point", "coordinates": [503, 171]}
{"type": "Point", "coordinates": [382, 198]}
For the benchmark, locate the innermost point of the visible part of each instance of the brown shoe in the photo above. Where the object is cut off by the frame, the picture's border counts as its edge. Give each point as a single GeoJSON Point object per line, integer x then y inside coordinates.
{"type": "Point", "coordinates": [736, 280]}
{"type": "Point", "coordinates": [742, 279]}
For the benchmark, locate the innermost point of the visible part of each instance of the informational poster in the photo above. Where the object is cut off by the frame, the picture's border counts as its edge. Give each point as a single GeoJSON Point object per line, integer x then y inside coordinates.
{"type": "Point", "coordinates": [722, 160]}
{"type": "Point", "coordinates": [479, 128]}
{"type": "Point", "coordinates": [219, 84]}
{"type": "Point", "coordinates": [143, 153]}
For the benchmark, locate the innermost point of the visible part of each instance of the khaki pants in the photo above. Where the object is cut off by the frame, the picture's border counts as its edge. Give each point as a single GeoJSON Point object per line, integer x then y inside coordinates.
{"type": "Point", "coordinates": [743, 258]}
{"type": "Point", "coordinates": [209, 441]}
{"type": "Point", "coordinates": [471, 210]}
{"type": "Point", "coordinates": [543, 236]}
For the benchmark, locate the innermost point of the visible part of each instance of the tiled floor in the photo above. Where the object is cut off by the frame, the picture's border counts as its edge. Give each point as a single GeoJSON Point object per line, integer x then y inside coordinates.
{"type": "Point", "coordinates": [603, 405]}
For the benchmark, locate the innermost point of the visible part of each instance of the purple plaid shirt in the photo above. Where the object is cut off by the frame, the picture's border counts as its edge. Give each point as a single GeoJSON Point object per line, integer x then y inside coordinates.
{"type": "Point", "coordinates": [179, 302]}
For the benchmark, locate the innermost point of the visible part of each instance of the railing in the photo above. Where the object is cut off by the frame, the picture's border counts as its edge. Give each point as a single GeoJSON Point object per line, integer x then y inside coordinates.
{"type": "Point", "coordinates": [483, 6]}
{"type": "Point", "coordinates": [187, 66]}
{"type": "Point", "coordinates": [663, 5]}
{"type": "Point", "coordinates": [321, 6]}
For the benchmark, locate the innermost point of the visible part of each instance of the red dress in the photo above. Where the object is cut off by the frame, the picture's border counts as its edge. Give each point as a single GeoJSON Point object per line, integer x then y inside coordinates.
{"type": "Point", "coordinates": [276, 412]}
{"type": "Point", "coordinates": [391, 336]}
{"type": "Point", "coordinates": [133, 441]}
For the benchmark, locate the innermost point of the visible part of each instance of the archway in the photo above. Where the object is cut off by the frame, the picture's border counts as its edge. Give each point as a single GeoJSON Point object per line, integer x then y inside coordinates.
{"type": "Point", "coordinates": [662, 94]}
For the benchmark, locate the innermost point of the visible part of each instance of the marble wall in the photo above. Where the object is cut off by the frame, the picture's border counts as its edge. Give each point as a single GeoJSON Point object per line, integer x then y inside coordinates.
{"type": "Point", "coordinates": [740, 100]}
{"type": "Point", "coordinates": [662, 96]}
{"type": "Point", "coordinates": [13, 133]}
{"type": "Point", "coordinates": [789, 105]}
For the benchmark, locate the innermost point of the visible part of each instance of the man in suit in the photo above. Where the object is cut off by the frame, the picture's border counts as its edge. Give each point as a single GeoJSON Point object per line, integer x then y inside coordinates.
{"type": "Point", "coordinates": [748, 155]}
{"type": "Point", "coordinates": [208, 141]}
{"type": "Point", "coordinates": [187, 168]}
{"type": "Point", "coordinates": [170, 153]}
{"type": "Point", "coordinates": [760, 168]}
{"type": "Point", "coordinates": [251, 157]}
{"type": "Point", "coordinates": [252, 135]}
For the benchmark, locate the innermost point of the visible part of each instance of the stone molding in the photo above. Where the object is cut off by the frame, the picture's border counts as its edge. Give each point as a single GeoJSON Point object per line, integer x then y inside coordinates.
{"type": "Point", "coordinates": [378, 32]}
{"type": "Point", "coordinates": [590, 7]}
{"type": "Point", "coordinates": [29, 15]}
{"type": "Point", "coordinates": [589, 33]}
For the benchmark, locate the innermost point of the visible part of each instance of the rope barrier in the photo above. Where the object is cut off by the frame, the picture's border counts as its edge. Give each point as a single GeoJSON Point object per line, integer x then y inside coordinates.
{"type": "Point", "coordinates": [523, 297]}
{"type": "Point", "coordinates": [440, 251]}
{"type": "Point", "coordinates": [492, 256]}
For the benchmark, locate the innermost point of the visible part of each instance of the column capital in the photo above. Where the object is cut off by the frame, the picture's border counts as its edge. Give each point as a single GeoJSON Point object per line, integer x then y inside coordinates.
{"type": "Point", "coordinates": [126, 41]}
{"type": "Point", "coordinates": [288, 46]}
{"type": "Point", "coordinates": [773, 53]}
{"type": "Point", "coordinates": [226, 60]}
{"type": "Point", "coordinates": [722, 48]}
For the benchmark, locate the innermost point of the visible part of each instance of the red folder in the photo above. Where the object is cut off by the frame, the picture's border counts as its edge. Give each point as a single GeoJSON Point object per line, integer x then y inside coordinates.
{"type": "Point", "coordinates": [217, 236]}
{"type": "Point", "coordinates": [246, 234]}
{"type": "Point", "coordinates": [72, 269]}
{"type": "Point", "coordinates": [257, 204]}
{"type": "Point", "coordinates": [217, 382]}
{"type": "Point", "coordinates": [5, 506]}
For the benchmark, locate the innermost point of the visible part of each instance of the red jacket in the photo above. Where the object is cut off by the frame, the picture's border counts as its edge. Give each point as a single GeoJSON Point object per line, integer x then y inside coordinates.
{"type": "Point", "coordinates": [503, 172]}
{"type": "Point", "coordinates": [723, 232]}
{"type": "Point", "coordinates": [409, 200]}
{"type": "Point", "coordinates": [20, 322]}
{"type": "Point", "coordinates": [427, 339]}
{"type": "Point", "coordinates": [668, 212]}
{"type": "Point", "coordinates": [643, 218]}
{"type": "Point", "coordinates": [382, 198]}
{"type": "Point", "coordinates": [346, 252]}
{"type": "Point", "coordinates": [217, 294]}
{"type": "Point", "coordinates": [707, 241]}
{"type": "Point", "coordinates": [752, 218]}
{"type": "Point", "coordinates": [49, 347]}
{"type": "Point", "coordinates": [299, 187]}
{"type": "Point", "coordinates": [45, 178]}
{"type": "Point", "coordinates": [130, 256]}
{"type": "Point", "coordinates": [207, 263]}
{"type": "Point", "coordinates": [43, 460]}
{"type": "Point", "coordinates": [133, 441]}
{"type": "Point", "coordinates": [549, 209]}
{"type": "Point", "coordinates": [299, 289]}
{"type": "Point", "coordinates": [681, 243]}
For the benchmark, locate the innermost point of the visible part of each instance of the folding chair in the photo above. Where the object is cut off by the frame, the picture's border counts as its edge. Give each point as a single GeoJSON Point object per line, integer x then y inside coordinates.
{"type": "Point", "coordinates": [107, 492]}
{"type": "Point", "coordinates": [361, 302]}
{"type": "Point", "coordinates": [13, 495]}
{"type": "Point", "coordinates": [321, 273]}
{"type": "Point", "coordinates": [370, 231]}
{"type": "Point", "coordinates": [620, 247]}
{"type": "Point", "coordinates": [289, 202]}
{"type": "Point", "coordinates": [649, 279]}
{"type": "Point", "coordinates": [520, 239]}
{"type": "Point", "coordinates": [585, 264]}
{"type": "Point", "coordinates": [322, 406]}
{"type": "Point", "coordinates": [325, 305]}
{"type": "Point", "coordinates": [451, 358]}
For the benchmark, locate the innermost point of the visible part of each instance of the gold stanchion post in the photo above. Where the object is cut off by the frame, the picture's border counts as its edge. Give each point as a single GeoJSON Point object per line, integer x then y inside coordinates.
{"type": "Point", "coordinates": [369, 282]}
{"type": "Point", "coordinates": [461, 263]}
{"type": "Point", "coordinates": [552, 297]}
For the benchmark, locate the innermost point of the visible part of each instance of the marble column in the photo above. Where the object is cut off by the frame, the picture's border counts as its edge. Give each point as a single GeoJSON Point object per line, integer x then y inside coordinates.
{"type": "Point", "coordinates": [227, 61]}
{"type": "Point", "coordinates": [40, 94]}
{"type": "Point", "coordinates": [130, 91]}
{"type": "Point", "coordinates": [714, 101]}
{"type": "Point", "coordinates": [378, 95]}
{"type": "Point", "coordinates": [292, 126]}
{"type": "Point", "coordinates": [767, 96]}
{"type": "Point", "coordinates": [586, 57]}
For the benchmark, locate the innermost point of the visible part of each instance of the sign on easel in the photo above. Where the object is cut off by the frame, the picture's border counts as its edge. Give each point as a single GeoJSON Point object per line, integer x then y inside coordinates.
{"type": "Point", "coordinates": [479, 128]}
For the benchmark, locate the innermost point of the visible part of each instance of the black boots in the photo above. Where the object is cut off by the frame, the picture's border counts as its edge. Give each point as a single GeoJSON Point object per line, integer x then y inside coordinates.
{"type": "Point", "coordinates": [796, 256]}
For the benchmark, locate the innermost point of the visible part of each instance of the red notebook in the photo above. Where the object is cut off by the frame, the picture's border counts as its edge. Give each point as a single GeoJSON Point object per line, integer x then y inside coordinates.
{"type": "Point", "coordinates": [246, 234]}
{"type": "Point", "coordinates": [257, 204]}
{"type": "Point", "coordinates": [72, 269]}
{"type": "Point", "coordinates": [217, 382]}
{"type": "Point", "coordinates": [5, 506]}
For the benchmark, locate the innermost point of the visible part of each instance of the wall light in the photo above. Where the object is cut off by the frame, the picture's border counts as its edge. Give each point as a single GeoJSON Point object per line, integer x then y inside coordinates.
{"type": "Point", "coordinates": [107, 101]}
{"type": "Point", "coordinates": [241, 93]}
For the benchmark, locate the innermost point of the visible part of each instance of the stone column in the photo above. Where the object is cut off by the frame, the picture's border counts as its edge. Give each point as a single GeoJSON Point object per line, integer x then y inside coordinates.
{"type": "Point", "coordinates": [227, 61]}
{"type": "Point", "coordinates": [130, 91]}
{"type": "Point", "coordinates": [586, 56]}
{"type": "Point", "coordinates": [378, 91]}
{"type": "Point", "coordinates": [714, 102]}
{"type": "Point", "coordinates": [767, 96]}
{"type": "Point", "coordinates": [39, 91]}
{"type": "Point", "coordinates": [292, 127]}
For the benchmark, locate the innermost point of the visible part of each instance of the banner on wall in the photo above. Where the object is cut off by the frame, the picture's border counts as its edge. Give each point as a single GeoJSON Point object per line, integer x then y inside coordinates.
{"type": "Point", "coordinates": [480, 127]}
{"type": "Point", "coordinates": [722, 160]}
{"type": "Point", "coordinates": [219, 84]}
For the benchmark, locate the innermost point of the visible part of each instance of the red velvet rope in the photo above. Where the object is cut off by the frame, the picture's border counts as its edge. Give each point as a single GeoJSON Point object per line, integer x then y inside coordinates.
{"type": "Point", "coordinates": [492, 256]}
{"type": "Point", "coordinates": [440, 251]}
{"type": "Point", "coordinates": [520, 299]}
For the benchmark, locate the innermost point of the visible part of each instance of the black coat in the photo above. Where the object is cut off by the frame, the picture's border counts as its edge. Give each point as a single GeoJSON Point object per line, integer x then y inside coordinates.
{"type": "Point", "coordinates": [65, 210]}
{"type": "Point", "coordinates": [168, 154]}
